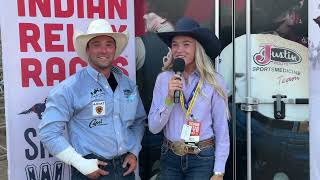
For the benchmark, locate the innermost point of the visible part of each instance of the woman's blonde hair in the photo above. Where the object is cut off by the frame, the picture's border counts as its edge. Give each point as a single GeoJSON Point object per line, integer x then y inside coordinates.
{"type": "Point", "coordinates": [206, 69]}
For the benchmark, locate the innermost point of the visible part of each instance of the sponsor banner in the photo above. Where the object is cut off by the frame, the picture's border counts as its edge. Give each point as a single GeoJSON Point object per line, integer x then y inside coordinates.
{"type": "Point", "coordinates": [38, 53]}
{"type": "Point", "coordinates": [278, 66]}
{"type": "Point", "coordinates": [314, 57]}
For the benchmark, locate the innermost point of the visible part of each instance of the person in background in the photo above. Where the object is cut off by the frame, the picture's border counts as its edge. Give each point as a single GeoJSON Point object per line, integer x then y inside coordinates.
{"type": "Point", "coordinates": [149, 61]}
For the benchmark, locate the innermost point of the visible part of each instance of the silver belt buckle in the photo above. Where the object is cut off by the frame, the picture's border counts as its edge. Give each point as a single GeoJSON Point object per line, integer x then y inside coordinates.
{"type": "Point", "coordinates": [179, 148]}
{"type": "Point", "coordinates": [196, 149]}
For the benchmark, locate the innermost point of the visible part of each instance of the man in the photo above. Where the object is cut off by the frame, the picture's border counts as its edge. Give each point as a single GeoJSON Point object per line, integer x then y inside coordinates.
{"type": "Point", "coordinates": [101, 109]}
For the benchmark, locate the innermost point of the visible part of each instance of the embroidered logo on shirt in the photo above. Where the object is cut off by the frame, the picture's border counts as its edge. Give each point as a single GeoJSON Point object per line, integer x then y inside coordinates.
{"type": "Point", "coordinates": [97, 92]}
{"type": "Point", "coordinates": [129, 95]}
{"type": "Point", "coordinates": [96, 122]}
{"type": "Point", "coordinates": [127, 92]}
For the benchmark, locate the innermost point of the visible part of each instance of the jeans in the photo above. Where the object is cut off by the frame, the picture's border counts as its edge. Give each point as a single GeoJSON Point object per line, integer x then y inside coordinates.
{"type": "Point", "coordinates": [187, 167]}
{"type": "Point", "coordinates": [274, 151]}
{"type": "Point", "coordinates": [114, 167]}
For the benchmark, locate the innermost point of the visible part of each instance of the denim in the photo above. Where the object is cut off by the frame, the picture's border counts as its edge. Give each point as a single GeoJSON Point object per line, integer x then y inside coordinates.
{"type": "Point", "coordinates": [114, 167]}
{"type": "Point", "coordinates": [273, 150]}
{"type": "Point", "coordinates": [187, 167]}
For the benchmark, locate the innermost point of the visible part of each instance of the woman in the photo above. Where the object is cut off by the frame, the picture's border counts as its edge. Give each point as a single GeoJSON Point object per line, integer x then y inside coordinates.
{"type": "Point", "coordinates": [196, 143]}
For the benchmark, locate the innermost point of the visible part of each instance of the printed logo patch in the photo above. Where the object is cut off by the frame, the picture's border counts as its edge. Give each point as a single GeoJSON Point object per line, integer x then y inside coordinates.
{"type": "Point", "coordinates": [98, 108]}
{"type": "Point", "coordinates": [269, 53]}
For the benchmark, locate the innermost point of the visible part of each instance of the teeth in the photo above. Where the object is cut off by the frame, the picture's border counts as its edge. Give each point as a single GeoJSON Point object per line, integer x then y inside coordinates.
{"type": "Point", "coordinates": [102, 57]}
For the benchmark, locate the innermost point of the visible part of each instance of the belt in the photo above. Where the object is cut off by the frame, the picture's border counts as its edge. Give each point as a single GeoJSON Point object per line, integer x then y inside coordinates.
{"type": "Point", "coordinates": [93, 156]}
{"type": "Point", "coordinates": [181, 148]}
{"type": "Point", "coordinates": [294, 126]}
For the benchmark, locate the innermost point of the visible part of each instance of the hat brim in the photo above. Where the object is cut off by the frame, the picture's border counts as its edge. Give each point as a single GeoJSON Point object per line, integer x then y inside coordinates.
{"type": "Point", "coordinates": [81, 40]}
{"type": "Point", "coordinates": [204, 36]}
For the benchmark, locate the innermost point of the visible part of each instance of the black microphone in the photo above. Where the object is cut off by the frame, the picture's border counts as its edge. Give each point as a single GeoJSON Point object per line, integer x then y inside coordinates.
{"type": "Point", "coordinates": [178, 68]}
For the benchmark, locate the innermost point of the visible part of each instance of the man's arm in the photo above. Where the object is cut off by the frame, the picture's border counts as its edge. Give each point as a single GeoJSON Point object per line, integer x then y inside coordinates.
{"type": "Point", "coordinates": [52, 129]}
{"type": "Point", "coordinates": [137, 130]}
{"type": "Point", "coordinates": [137, 127]}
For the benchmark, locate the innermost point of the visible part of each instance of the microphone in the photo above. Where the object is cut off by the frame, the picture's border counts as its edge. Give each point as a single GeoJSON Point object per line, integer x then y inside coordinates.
{"type": "Point", "coordinates": [178, 68]}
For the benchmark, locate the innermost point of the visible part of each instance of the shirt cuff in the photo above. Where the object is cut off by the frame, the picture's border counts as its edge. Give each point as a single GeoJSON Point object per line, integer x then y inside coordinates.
{"type": "Point", "coordinates": [135, 151]}
{"type": "Point", "coordinates": [219, 167]}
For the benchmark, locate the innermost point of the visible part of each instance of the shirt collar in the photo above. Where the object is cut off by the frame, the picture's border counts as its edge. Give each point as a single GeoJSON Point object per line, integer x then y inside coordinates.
{"type": "Point", "coordinates": [93, 73]}
{"type": "Point", "coordinates": [196, 73]}
{"type": "Point", "coordinates": [97, 75]}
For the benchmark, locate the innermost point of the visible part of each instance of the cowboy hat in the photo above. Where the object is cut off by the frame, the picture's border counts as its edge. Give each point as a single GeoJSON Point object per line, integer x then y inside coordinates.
{"type": "Point", "coordinates": [96, 28]}
{"type": "Point", "coordinates": [189, 27]}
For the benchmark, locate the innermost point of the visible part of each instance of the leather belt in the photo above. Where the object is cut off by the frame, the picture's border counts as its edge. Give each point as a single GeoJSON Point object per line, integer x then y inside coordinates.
{"type": "Point", "coordinates": [294, 126]}
{"type": "Point", "coordinates": [181, 148]}
{"type": "Point", "coordinates": [93, 156]}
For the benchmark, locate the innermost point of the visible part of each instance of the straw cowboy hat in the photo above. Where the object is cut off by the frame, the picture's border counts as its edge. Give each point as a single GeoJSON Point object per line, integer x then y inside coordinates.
{"type": "Point", "coordinates": [96, 28]}
{"type": "Point", "coordinates": [189, 27]}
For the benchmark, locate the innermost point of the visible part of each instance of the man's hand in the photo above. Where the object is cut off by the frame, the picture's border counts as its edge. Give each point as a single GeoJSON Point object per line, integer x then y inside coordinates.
{"type": "Point", "coordinates": [130, 160]}
{"type": "Point", "coordinates": [216, 177]}
{"type": "Point", "coordinates": [96, 174]}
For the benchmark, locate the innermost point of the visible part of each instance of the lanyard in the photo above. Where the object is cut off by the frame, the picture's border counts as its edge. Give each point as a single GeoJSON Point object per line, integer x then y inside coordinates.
{"type": "Point", "coordinates": [192, 99]}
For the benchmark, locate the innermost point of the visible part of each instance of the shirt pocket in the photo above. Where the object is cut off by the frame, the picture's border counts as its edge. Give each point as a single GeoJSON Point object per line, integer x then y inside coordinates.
{"type": "Point", "coordinates": [85, 109]}
{"type": "Point", "coordinates": [128, 107]}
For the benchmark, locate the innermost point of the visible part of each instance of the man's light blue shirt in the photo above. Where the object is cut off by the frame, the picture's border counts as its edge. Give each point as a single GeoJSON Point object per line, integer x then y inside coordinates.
{"type": "Point", "coordinates": [112, 129]}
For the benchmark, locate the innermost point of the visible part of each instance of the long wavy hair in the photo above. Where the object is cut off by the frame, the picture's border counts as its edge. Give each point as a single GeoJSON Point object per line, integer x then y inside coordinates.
{"type": "Point", "coordinates": [206, 70]}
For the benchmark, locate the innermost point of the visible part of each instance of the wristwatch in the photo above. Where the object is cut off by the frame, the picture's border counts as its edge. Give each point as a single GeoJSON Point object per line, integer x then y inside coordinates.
{"type": "Point", "coordinates": [218, 174]}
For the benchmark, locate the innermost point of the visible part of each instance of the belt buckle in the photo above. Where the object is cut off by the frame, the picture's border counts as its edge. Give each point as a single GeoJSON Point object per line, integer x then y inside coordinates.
{"type": "Point", "coordinates": [196, 149]}
{"type": "Point", "coordinates": [179, 148]}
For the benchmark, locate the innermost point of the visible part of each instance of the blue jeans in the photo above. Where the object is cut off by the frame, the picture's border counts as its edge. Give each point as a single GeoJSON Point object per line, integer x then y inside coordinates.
{"type": "Point", "coordinates": [187, 167]}
{"type": "Point", "coordinates": [114, 167]}
{"type": "Point", "coordinates": [273, 150]}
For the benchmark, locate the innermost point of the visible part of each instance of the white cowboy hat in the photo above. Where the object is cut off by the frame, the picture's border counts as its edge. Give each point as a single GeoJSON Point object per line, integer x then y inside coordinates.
{"type": "Point", "coordinates": [96, 28]}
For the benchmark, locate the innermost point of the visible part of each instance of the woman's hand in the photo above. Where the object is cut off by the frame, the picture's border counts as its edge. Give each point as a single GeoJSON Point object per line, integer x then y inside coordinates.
{"type": "Point", "coordinates": [175, 83]}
